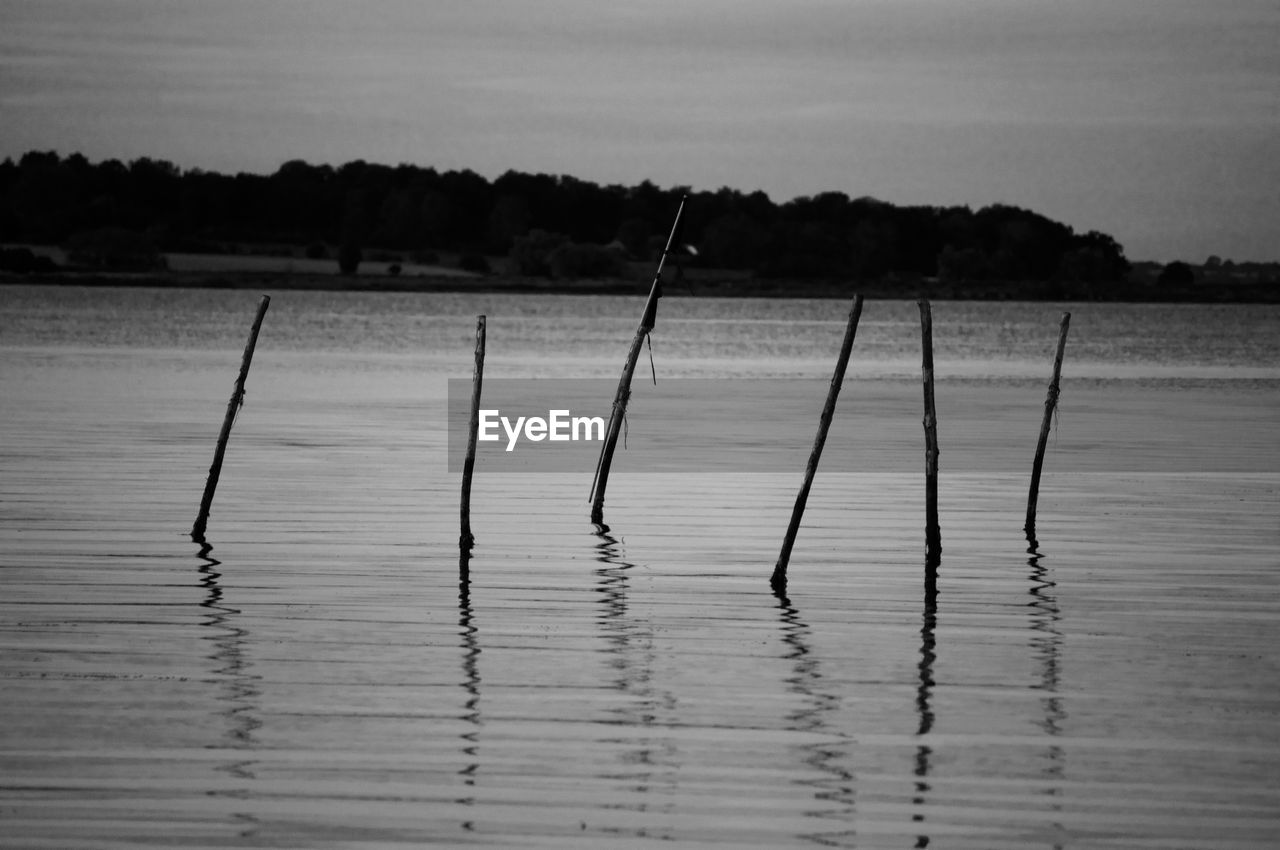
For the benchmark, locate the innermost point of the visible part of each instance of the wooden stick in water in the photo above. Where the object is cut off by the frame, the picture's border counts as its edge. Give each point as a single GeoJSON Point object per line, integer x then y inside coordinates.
{"type": "Point", "coordinates": [932, 533]}
{"type": "Point", "coordinates": [237, 399]}
{"type": "Point", "coordinates": [779, 579]}
{"type": "Point", "coordinates": [623, 395]}
{"type": "Point", "coordinates": [466, 540]}
{"type": "Point", "coordinates": [1050, 404]}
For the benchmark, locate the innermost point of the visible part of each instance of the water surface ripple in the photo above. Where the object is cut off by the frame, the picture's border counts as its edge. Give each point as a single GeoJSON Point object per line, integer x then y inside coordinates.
{"type": "Point", "coordinates": [322, 674]}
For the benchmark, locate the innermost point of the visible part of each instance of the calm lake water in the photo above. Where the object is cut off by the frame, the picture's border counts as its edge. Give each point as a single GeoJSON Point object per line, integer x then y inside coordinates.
{"type": "Point", "coordinates": [321, 677]}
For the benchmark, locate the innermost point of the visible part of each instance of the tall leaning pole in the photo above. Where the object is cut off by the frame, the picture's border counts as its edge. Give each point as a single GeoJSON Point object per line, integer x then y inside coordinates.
{"type": "Point", "coordinates": [779, 579]}
{"type": "Point", "coordinates": [233, 407]}
{"type": "Point", "coordinates": [623, 395]}
{"type": "Point", "coordinates": [1050, 405]}
{"type": "Point", "coordinates": [465, 538]}
{"type": "Point", "coordinates": [932, 531]}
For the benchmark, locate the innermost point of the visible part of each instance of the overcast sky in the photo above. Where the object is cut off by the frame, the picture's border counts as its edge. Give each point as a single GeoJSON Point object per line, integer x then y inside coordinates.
{"type": "Point", "coordinates": [1156, 121]}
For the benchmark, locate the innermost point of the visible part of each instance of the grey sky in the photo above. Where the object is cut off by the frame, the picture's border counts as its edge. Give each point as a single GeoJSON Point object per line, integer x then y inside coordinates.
{"type": "Point", "coordinates": [1156, 121]}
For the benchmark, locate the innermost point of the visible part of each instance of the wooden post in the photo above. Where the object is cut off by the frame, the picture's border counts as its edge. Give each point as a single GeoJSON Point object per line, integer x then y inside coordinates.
{"type": "Point", "coordinates": [623, 395]}
{"type": "Point", "coordinates": [932, 533]}
{"type": "Point", "coordinates": [466, 540]}
{"type": "Point", "coordinates": [1050, 404]}
{"type": "Point", "coordinates": [233, 406]}
{"type": "Point", "coordinates": [779, 579]}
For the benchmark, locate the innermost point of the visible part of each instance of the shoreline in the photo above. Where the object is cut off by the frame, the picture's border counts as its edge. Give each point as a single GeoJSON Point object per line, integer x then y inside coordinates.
{"type": "Point", "coordinates": [710, 287]}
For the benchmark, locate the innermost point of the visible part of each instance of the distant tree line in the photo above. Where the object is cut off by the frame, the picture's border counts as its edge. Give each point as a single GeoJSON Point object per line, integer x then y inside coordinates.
{"type": "Point", "coordinates": [539, 224]}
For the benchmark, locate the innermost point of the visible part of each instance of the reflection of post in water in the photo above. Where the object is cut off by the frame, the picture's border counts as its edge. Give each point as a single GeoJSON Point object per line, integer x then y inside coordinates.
{"type": "Point", "coordinates": [834, 783]}
{"type": "Point", "coordinates": [471, 686]}
{"type": "Point", "coordinates": [924, 691]}
{"type": "Point", "coordinates": [231, 669]}
{"type": "Point", "coordinates": [1046, 645]}
{"type": "Point", "coordinates": [228, 654]}
{"type": "Point", "coordinates": [631, 656]}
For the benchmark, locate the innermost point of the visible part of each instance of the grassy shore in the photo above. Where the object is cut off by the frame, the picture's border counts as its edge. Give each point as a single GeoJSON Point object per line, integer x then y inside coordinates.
{"type": "Point", "coordinates": [702, 284]}
{"type": "Point", "coordinates": [284, 269]}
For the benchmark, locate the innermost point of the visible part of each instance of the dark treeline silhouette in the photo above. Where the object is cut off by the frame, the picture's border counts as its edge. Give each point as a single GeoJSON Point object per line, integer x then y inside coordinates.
{"type": "Point", "coordinates": [541, 224]}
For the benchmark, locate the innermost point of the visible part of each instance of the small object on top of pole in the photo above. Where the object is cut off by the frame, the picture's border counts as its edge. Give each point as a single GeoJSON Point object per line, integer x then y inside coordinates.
{"type": "Point", "coordinates": [779, 578]}
{"type": "Point", "coordinates": [233, 407]}
{"type": "Point", "coordinates": [623, 395]}
{"type": "Point", "coordinates": [932, 533]}
{"type": "Point", "coordinates": [466, 540]}
{"type": "Point", "coordinates": [1050, 404]}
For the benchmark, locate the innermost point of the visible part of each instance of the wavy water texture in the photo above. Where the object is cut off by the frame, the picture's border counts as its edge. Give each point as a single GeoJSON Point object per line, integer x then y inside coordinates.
{"type": "Point", "coordinates": [322, 674]}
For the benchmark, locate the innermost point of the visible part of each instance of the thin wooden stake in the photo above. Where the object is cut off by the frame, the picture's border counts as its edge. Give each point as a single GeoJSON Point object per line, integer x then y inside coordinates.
{"type": "Point", "coordinates": [932, 533]}
{"type": "Point", "coordinates": [466, 540]}
{"type": "Point", "coordinates": [1050, 404]}
{"type": "Point", "coordinates": [233, 406]}
{"type": "Point", "coordinates": [779, 579]}
{"type": "Point", "coordinates": [623, 395]}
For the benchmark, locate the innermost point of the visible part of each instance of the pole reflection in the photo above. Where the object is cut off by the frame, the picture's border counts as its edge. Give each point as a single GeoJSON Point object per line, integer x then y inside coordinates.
{"type": "Point", "coordinates": [238, 685]}
{"type": "Point", "coordinates": [470, 645]}
{"type": "Point", "coordinates": [1046, 646]}
{"type": "Point", "coordinates": [924, 692]}
{"type": "Point", "coordinates": [630, 646]}
{"type": "Point", "coordinates": [833, 785]}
